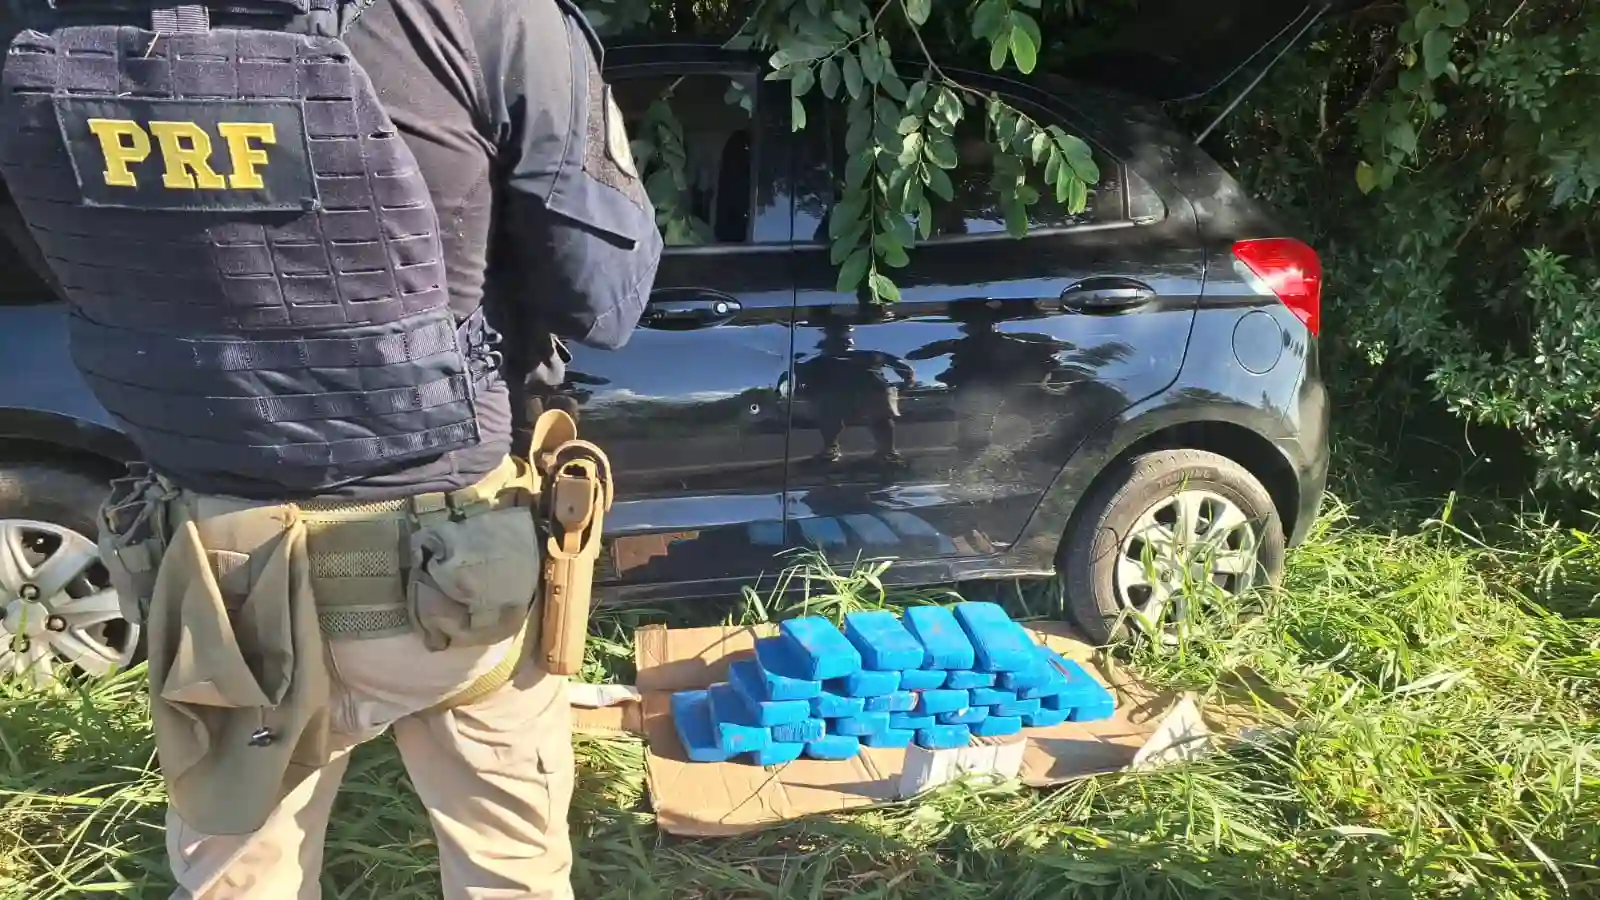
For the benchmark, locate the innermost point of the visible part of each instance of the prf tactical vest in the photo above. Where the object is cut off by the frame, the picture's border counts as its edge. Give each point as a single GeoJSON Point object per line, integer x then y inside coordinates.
{"type": "Point", "coordinates": [250, 252]}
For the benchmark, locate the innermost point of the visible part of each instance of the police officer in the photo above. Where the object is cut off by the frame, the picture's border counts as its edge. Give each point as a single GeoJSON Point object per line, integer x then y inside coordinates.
{"type": "Point", "coordinates": [299, 240]}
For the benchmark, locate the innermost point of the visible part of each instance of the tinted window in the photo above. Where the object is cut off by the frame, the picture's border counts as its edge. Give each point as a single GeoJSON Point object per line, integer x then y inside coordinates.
{"type": "Point", "coordinates": [975, 207]}
{"type": "Point", "coordinates": [693, 140]}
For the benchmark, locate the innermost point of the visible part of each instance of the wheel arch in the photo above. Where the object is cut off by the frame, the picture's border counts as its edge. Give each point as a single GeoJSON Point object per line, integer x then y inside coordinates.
{"type": "Point", "coordinates": [1234, 431]}
{"type": "Point", "coordinates": [41, 436]}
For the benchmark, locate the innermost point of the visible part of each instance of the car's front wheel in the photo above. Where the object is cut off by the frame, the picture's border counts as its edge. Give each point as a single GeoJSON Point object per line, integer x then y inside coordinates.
{"type": "Point", "coordinates": [1163, 534]}
{"type": "Point", "coordinates": [59, 609]}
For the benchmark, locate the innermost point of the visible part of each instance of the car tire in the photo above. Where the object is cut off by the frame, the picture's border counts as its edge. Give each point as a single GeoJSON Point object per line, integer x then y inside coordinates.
{"type": "Point", "coordinates": [1126, 517]}
{"type": "Point", "coordinates": [49, 504]}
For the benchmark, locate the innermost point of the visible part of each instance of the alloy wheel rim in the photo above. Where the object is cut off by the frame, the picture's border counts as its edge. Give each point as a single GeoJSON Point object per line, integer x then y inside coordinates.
{"type": "Point", "coordinates": [1184, 549]}
{"type": "Point", "coordinates": [60, 609]}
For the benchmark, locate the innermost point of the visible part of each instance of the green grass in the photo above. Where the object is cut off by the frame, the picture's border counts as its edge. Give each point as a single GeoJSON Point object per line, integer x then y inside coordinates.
{"type": "Point", "coordinates": [1448, 746]}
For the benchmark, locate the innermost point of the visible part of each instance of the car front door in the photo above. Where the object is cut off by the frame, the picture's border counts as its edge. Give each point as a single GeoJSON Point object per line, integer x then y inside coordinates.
{"type": "Point", "coordinates": [934, 426]}
{"type": "Point", "coordinates": [690, 411]}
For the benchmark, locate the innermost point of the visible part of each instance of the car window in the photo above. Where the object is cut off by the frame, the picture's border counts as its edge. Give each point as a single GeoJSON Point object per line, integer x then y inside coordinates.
{"type": "Point", "coordinates": [975, 208]}
{"type": "Point", "coordinates": [694, 142]}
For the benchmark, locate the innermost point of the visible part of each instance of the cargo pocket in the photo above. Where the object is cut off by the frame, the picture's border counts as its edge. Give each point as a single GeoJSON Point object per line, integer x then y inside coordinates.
{"type": "Point", "coordinates": [472, 581]}
{"type": "Point", "coordinates": [130, 544]}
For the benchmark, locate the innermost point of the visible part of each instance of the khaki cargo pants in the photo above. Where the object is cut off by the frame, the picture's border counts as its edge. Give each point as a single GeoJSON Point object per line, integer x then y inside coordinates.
{"type": "Point", "coordinates": [283, 636]}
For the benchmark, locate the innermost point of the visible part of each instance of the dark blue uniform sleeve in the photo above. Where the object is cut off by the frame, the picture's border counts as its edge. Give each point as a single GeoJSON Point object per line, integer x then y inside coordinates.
{"type": "Point", "coordinates": [578, 246]}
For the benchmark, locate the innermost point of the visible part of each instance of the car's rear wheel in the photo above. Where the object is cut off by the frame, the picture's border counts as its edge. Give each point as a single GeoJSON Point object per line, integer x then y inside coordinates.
{"type": "Point", "coordinates": [1162, 535]}
{"type": "Point", "coordinates": [60, 611]}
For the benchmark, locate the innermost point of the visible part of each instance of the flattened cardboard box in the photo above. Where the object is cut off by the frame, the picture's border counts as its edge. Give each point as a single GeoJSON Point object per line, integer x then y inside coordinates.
{"type": "Point", "coordinates": [731, 798]}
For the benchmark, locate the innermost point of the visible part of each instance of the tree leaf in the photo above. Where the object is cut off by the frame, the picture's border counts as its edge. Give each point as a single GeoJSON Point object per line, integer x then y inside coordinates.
{"type": "Point", "coordinates": [1040, 143]}
{"type": "Point", "coordinates": [842, 248]}
{"type": "Point", "coordinates": [830, 78]}
{"type": "Point", "coordinates": [939, 183]}
{"type": "Point", "coordinates": [846, 22]}
{"type": "Point", "coordinates": [1024, 50]}
{"type": "Point", "coordinates": [1077, 196]}
{"type": "Point", "coordinates": [853, 270]}
{"type": "Point", "coordinates": [918, 10]}
{"type": "Point", "coordinates": [941, 150]}
{"type": "Point", "coordinates": [871, 62]}
{"type": "Point", "coordinates": [846, 214]}
{"type": "Point", "coordinates": [911, 148]}
{"type": "Point", "coordinates": [1404, 137]}
{"type": "Point", "coordinates": [997, 54]}
{"type": "Point", "coordinates": [1016, 218]}
{"type": "Point", "coordinates": [1366, 178]}
{"type": "Point", "coordinates": [948, 106]}
{"type": "Point", "coordinates": [1052, 168]}
{"type": "Point", "coordinates": [915, 96]}
{"type": "Point", "coordinates": [988, 20]}
{"type": "Point", "coordinates": [1081, 159]}
{"type": "Point", "coordinates": [797, 114]}
{"type": "Point", "coordinates": [803, 81]}
{"type": "Point", "coordinates": [883, 289]}
{"type": "Point", "coordinates": [1436, 51]}
{"type": "Point", "coordinates": [1456, 13]}
{"type": "Point", "coordinates": [892, 84]}
{"type": "Point", "coordinates": [858, 167]}
{"type": "Point", "coordinates": [925, 218]}
{"type": "Point", "coordinates": [910, 124]}
{"type": "Point", "coordinates": [852, 75]}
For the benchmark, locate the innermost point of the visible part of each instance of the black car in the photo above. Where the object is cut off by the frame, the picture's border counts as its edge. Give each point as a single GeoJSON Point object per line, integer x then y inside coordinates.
{"type": "Point", "coordinates": [1128, 396]}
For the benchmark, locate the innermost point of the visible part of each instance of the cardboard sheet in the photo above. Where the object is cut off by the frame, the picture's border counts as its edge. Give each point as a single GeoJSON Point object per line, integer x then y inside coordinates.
{"type": "Point", "coordinates": [731, 798]}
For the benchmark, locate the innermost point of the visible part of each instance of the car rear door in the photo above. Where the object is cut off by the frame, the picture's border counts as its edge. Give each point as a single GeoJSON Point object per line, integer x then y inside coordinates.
{"type": "Point", "coordinates": [933, 427]}
{"type": "Point", "coordinates": [689, 410]}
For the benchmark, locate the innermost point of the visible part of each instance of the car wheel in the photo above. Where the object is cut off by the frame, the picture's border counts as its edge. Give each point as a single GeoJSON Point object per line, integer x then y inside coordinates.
{"type": "Point", "coordinates": [1161, 536]}
{"type": "Point", "coordinates": [60, 611]}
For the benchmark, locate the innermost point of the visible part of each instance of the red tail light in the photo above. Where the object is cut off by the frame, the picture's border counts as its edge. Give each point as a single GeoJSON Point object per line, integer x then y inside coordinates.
{"type": "Point", "coordinates": [1289, 269]}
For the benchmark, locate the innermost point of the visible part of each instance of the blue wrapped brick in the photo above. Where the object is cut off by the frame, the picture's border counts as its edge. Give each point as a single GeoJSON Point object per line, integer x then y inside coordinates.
{"type": "Point", "coordinates": [1000, 644]}
{"type": "Point", "coordinates": [1044, 718]}
{"type": "Point", "coordinates": [998, 726]}
{"type": "Point", "coordinates": [829, 705]}
{"type": "Point", "coordinates": [1094, 710]}
{"type": "Point", "coordinates": [911, 721]}
{"type": "Point", "coordinates": [833, 746]}
{"type": "Point", "coordinates": [1039, 674]}
{"type": "Point", "coordinates": [1077, 686]}
{"type": "Point", "coordinates": [992, 696]}
{"type": "Point", "coordinates": [781, 672]}
{"type": "Point", "coordinates": [897, 702]}
{"type": "Point", "coordinates": [730, 705]}
{"type": "Point", "coordinates": [889, 737]}
{"type": "Point", "coordinates": [1014, 708]}
{"type": "Point", "coordinates": [942, 700]}
{"type": "Point", "coordinates": [820, 650]}
{"type": "Point", "coordinates": [972, 715]}
{"type": "Point", "coordinates": [922, 679]}
{"type": "Point", "coordinates": [798, 732]}
{"type": "Point", "coordinates": [966, 679]}
{"type": "Point", "coordinates": [945, 644]}
{"type": "Point", "coordinates": [737, 732]}
{"type": "Point", "coordinates": [777, 754]}
{"type": "Point", "coordinates": [865, 683]}
{"type": "Point", "coordinates": [691, 717]}
{"type": "Point", "coordinates": [860, 726]}
{"type": "Point", "coordinates": [944, 737]}
{"type": "Point", "coordinates": [883, 642]}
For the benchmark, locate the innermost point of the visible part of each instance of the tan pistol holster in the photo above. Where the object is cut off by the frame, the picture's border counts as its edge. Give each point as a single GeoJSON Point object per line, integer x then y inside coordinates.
{"type": "Point", "coordinates": [575, 494]}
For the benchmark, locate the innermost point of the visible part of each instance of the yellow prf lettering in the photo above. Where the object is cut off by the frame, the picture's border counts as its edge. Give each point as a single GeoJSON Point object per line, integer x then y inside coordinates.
{"type": "Point", "coordinates": [122, 143]}
{"type": "Point", "coordinates": [186, 149]}
{"type": "Point", "coordinates": [246, 158]}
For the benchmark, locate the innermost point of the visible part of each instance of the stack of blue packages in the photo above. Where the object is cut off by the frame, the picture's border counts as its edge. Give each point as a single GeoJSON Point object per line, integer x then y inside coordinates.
{"type": "Point", "coordinates": [935, 678]}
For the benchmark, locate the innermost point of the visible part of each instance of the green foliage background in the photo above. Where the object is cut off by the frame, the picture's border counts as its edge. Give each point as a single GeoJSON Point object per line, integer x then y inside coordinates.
{"type": "Point", "coordinates": [1442, 155]}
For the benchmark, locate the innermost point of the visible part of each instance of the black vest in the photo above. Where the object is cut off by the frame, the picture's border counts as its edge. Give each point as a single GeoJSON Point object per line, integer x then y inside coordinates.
{"type": "Point", "coordinates": [250, 251]}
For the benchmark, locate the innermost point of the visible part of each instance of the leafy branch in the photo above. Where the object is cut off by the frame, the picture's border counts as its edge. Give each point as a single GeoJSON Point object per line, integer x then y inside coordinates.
{"type": "Point", "coordinates": [900, 140]}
